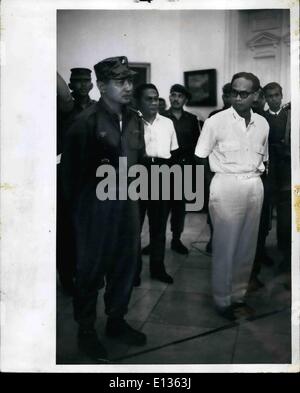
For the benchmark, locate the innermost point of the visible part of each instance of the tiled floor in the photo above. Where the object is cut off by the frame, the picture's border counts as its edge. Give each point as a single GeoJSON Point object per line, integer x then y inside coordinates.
{"type": "Point", "coordinates": [179, 320]}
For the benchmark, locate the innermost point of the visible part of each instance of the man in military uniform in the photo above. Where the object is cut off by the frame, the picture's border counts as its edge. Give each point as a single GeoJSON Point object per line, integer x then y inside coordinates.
{"type": "Point", "coordinates": [107, 231]}
{"type": "Point", "coordinates": [258, 105]}
{"type": "Point", "coordinates": [261, 256]}
{"type": "Point", "coordinates": [279, 119]}
{"type": "Point", "coordinates": [80, 86]}
{"type": "Point", "coordinates": [162, 106]}
{"type": "Point", "coordinates": [64, 244]}
{"type": "Point", "coordinates": [187, 132]}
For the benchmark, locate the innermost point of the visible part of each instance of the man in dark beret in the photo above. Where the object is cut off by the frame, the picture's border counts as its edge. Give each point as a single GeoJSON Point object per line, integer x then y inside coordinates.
{"type": "Point", "coordinates": [80, 86]}
{"type": "Point", "coordinates": [107, 231]}
{"type": "Point", "coordinates": [187, 132]}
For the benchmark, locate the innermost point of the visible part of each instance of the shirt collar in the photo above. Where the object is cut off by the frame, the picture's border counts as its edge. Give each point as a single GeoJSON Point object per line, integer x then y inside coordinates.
{"type": "Point", "coordinates": [157, 118]}
{"type": "Point", "coordinates": [170, 113]}
{"type": "Point", "coordinates": [275, 113]}
{"type": "Point", "coordinates": [240, 118]}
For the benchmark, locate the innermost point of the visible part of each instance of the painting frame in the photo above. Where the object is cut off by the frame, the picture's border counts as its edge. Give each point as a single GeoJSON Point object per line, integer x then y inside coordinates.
{"type": "Point", "coordinates": [202, 84]}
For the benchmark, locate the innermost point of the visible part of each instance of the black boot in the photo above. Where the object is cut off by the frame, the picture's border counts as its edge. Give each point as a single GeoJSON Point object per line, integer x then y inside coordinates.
{"type": "Point", "coordinates": [119, 328]}
{"type": "Point", "coordinates": [255, 284]}
{"type": "Point", "coordinates": [89, 344]}
{"type": "Point", "coordinates": [177, 246]}
{"type": "Point", "coordinates": [162, 276]}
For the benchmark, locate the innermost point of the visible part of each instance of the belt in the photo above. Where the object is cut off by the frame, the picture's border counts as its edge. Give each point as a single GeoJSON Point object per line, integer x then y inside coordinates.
{"type": "Point", "coordinates": [155, 160]}
{"type": "Point", "coordinates": [241, 175]}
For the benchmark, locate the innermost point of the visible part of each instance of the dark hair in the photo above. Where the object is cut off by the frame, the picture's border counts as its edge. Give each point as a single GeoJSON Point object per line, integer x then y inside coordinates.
{"type": "Point", "coordinates": [141, 88]}
{"type": "Point", "coordinates": [249, 76]}
{"type": "Point", "coordinates": [261, 93]}
{"type": "Point", "coordinates": [271, 86]}
{"type": "Point", "coordinates": [226, 89]}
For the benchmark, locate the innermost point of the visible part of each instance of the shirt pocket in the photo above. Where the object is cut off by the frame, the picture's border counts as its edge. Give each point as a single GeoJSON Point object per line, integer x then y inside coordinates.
{"type": "Point", "coordinates": [229, 152]}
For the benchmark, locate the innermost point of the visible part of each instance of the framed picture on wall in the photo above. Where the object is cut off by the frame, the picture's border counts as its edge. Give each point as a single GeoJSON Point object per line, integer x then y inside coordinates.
{"type": "Point", "coordinates": [143, 73]}
{"type": "Point", "coordinates": [202, 86]}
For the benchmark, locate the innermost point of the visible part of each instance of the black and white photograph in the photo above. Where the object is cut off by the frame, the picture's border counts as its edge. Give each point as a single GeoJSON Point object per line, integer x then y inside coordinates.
{"type": "Point", "coordinates": [130, 101]}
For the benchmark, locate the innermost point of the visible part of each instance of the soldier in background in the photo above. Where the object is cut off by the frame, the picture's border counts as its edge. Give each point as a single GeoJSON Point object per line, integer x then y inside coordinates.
{"type": "Point", "coordinates": [279, 119]}
{"type": "Point", "coordinates": [261, 256]}
{"type": "Point", "coordinates": [80, 86]}
{"type": "Point", "coordinates": [64, 240]}
{"type": "Point", "coordinates": [258, 105]}
{"type": "Point", "coordinates": [162, 106]}
{"type": "Point", "coordinates": [187, 132]}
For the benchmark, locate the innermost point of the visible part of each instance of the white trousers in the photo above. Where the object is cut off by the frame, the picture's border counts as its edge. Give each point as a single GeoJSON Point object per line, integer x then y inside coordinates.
{"type": "Point", "coordinates": [235, 204]}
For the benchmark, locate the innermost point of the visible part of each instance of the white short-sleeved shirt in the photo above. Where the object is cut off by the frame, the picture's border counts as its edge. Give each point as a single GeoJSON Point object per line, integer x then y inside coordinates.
{"type": "Point", "coordinates": [160, 137]}
{"type": "Point", "coordinates": [231, 146]}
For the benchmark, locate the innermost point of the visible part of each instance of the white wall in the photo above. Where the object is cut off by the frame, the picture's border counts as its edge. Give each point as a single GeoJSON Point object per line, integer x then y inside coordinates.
{"type": "Point", "coordinates": [269, 60]}
{"type": "Point", "coordinates": [172, 41]}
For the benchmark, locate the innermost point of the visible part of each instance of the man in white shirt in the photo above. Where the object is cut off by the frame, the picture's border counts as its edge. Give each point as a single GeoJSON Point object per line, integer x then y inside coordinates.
{"type": "Point", "coordinates": [236, 142]}
{"type": "Point", "coordinates": [160, 142]}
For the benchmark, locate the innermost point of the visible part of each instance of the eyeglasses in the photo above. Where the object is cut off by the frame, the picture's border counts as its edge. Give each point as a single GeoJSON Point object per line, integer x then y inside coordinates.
{"type": "Point", "coordinates": [243, 94]}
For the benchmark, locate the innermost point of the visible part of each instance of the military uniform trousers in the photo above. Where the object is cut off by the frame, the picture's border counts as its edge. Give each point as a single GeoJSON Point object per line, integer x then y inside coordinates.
{"type": "Point", "coordinates": [108, 241]}
{"type": "Point", "coordinates": [65, 252]}
{"type": "Point", "coordinates": [235, 206]}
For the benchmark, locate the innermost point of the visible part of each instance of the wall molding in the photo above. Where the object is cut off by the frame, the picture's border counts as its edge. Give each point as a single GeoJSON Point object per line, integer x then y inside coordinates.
{"type": "Point", "coordinates": [263, 40]}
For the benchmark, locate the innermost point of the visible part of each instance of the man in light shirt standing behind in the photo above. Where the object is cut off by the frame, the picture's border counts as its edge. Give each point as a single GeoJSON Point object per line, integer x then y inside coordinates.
{"type": "Point", "coordinates": [236, 143]}
{"type": "Point", "coordinates": [160, 142]}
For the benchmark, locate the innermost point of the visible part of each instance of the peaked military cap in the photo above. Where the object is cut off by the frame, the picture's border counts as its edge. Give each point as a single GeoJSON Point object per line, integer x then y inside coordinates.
{"type": "Point", "coordinates": [80, 73]}
{"type": "Point", "coordinates": [180, 89]}
{"type": "Point", "coordinates": [113, 68]}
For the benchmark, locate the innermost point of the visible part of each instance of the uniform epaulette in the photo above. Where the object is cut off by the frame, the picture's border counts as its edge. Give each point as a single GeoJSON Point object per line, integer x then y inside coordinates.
{"type": "Point", "coordinates": [139, 113]}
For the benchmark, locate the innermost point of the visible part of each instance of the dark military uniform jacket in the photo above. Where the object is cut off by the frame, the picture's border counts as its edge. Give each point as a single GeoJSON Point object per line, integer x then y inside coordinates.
{"type": "Point", "coordinates": [105, 229]}
{"type": "Point", "coordinates": [279, 149]}
{"type": "Point", "coordinates": [77, 110]}
{"type": "Point", "coordinates": [187, 132]}
{"type": "Point", "coordinates": [65, 121]}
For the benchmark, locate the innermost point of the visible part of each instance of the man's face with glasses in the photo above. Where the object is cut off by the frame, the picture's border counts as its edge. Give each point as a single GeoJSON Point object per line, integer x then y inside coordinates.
{"type": "Point", "coordinates": [242, 95]}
